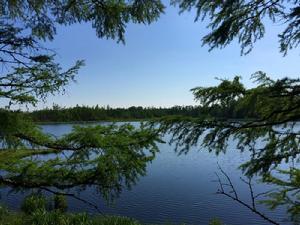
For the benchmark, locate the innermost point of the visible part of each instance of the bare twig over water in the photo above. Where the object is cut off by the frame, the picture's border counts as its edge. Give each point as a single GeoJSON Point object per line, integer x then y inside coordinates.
{"type": "Point", "coordinates": [232, 194]}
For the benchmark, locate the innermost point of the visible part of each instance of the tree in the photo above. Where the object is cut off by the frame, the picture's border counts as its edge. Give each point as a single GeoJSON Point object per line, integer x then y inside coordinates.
{"type": "Point", "coordinates": [32, 73]}
{"type": "Point", "coordinates": [273, 105]}
{"type": "Point", "coordinates": [272, 136]}
{"type": "Point", "coordinates": [108, 157]}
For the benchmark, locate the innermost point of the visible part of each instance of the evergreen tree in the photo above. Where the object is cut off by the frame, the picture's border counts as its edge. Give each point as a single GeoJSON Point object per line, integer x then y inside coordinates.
{"type": "Point", "coordinates": [273, 105]}
{"type": "Point", "coordinates": [104, 156]}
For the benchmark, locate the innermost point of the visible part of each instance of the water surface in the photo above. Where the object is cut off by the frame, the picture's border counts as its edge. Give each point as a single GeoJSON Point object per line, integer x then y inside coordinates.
{"type": "Point", "coordinates": [176, 189]}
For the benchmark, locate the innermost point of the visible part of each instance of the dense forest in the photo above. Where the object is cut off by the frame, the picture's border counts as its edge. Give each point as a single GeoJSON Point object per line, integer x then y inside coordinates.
{"type": "Point", "coordinates": [97, 113]}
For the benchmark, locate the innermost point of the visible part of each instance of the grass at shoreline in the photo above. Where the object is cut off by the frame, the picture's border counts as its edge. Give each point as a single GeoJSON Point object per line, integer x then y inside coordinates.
{"type": "Point", "coordinates": [57, 218]}
{"type": "Point", "coordinates": [41, 217]}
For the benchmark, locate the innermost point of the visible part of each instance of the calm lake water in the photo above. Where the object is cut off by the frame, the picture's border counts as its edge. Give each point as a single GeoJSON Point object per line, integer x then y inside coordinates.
{"type": "Point", "coordinates": [176, 189]}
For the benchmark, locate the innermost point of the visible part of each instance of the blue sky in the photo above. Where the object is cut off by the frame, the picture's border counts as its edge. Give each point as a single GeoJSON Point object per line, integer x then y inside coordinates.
{"type": "Point", "coordinates": [159, 63]}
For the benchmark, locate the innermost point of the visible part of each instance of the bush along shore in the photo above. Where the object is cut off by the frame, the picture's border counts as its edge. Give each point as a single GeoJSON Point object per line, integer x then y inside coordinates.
{"type": "Point", "coordinates": [36, 209]}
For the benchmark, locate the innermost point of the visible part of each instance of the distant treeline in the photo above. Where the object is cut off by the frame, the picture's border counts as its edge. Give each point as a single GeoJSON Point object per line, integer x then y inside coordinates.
{"type": "Point", "coordinates": [96, 113]}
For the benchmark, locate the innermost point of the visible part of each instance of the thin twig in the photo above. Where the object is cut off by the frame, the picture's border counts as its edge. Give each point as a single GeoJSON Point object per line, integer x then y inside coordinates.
{"type": "Point", "coordinates": [236, 198]}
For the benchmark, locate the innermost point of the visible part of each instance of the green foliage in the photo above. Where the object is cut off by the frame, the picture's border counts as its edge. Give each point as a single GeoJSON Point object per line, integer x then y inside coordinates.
{"type": "Point", "coordinates": [271, 135]}
{"type": "Point", "coordinates": [109, 18]}
{"type": "Point", "coordinates": [215, 222]}
{"type": "Point", "coordinates": [245, 21]}
{"type": "Point", "coordinates": [110, 157]}
{"type": "Point", "coordinates": [277, 108]}
{"type": "Point", "coordinates": [228, 91]}
{"type": "Point", "coordinates": [287, 183]}
{"type": "Point", "coordinates": [33, 203]}
{"type": "Point", "coordinates": [31, 73]}
{"type": "Point", "coordinates": [86, 113]}
{"type": "Point", "coordinates": [35, 213]}
{"type": "Point", "coordinates": [60, 203]}
{"type": "Point", "coordinates": [3, 212]}
{"type": "Point", "coordinates": [57, 218]}
{"type": "Point", "coordinates": [41, 217]}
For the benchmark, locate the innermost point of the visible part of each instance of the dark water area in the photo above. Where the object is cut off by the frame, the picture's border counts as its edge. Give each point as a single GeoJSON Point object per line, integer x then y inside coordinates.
{"type": "Point", "coordinates": [176, 189]}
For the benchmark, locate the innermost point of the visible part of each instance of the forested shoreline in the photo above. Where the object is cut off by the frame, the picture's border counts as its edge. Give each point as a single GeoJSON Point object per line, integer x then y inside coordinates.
{"type": "Point", "coordinates": [58, 114]}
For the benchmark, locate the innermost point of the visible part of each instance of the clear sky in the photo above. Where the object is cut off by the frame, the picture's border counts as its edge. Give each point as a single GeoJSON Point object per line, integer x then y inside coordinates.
{"type": "Point", "coordinates": [159, 63]}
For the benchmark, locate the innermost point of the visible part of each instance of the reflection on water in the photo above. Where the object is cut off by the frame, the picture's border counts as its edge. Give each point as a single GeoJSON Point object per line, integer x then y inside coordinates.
{"type": "Point", "coordinates": [175, 189]}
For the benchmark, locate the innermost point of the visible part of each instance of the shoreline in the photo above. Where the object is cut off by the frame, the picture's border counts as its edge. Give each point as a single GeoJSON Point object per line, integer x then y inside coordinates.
{"type": "Point", "coordinates": [116, 120]}
{"type": "Point", "coordinates": [90, 121]}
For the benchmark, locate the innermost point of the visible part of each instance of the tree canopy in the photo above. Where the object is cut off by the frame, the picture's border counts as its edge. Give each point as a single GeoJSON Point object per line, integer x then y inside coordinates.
{"type": "Point", "coordinates": [31, 70]}
{"type": "Point", "coordinates": [276, 105]}
{"type": "Point", "coordinates": [109, 157]}
{"type": "Point", "coordinates": [271, 137]}
{"type": "Point", "coordinates": [245, 20]}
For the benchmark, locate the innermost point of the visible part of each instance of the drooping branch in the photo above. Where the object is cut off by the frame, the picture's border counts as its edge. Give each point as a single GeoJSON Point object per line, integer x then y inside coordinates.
{"type": "Point", "coordinates": [268, 113]}
{"type": "Point", "coordinates": [14, 184]}
{"type": "Point", "coordinates": [108, 157]}
{"type": "Point", "coordinates": [245, 21]}
{"type": "Point", "coordinates": [74, 196]}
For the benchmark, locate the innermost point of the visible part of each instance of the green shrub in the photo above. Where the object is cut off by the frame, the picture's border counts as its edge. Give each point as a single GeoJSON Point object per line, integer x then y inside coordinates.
{"type": "Point", "coordinates": [56, 217]}
{"type": "Point", "coordinates": [34, 202]}
{"type": "Point", "coordinates": [3, 212]}
{"type": "Point", "coordinates": [60, 203]}
{"type": "Point", "coordinates": [40, 217]}
{"type": "Point", "coordinates": [215, 222]}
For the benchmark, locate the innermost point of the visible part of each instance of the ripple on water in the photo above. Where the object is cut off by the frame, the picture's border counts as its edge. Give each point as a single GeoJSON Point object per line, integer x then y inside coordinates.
{"type": "Point", "coordinates": [176, 189]}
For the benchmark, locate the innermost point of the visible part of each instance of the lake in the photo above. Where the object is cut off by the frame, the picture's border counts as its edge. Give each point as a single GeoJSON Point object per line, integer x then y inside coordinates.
{"type": "Point", "coordinates": [176, 189]}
